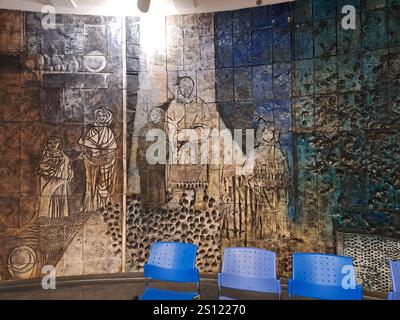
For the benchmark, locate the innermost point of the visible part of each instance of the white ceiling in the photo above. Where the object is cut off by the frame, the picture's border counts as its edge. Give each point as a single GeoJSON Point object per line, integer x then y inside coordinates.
{"type": "Point", "coordinates": [128, 7]}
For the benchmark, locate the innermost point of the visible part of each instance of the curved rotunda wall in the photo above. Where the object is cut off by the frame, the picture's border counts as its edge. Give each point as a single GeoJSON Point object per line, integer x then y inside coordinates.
{"type": "Point", "coordinates": [327, 180]}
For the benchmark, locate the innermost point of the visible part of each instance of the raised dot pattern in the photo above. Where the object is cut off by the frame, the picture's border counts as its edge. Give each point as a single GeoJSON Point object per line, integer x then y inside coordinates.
{"type": "Point", "coordinates": [249, 262]}
{"type": "Point", "coordinates": [320, 268]}
{"type": "Point", "coordinates": [172, 255]}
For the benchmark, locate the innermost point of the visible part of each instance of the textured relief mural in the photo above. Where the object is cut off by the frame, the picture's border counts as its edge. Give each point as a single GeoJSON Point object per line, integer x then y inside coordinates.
{"type": "Point", "coordinates": [372, 255]}
{"type": "Point", "coordinates": [11, 38]}
{"type": "Point", "coordinates": [61, 136]}
{"type": "Point", "coordinates": [346, 123]}
{"type": "Point", "coordinates": [253, 83]}
{"type": "Point", "coordinates": [305, 115]}
{"type": "Point", "coordinates": [55, 173]}
{"type": "Point", "coordinates": [177, 200]}
{"type": "Point", "coordinates": [247, 205]}
{"type": "Point", "coordinates": [99, 148]}
{"type": "Point", "coordinates": [263, 192]}
{"type": "Point", "coordinates": [322, 101]}
{"type": "Point", "coordinates": [185, 170]}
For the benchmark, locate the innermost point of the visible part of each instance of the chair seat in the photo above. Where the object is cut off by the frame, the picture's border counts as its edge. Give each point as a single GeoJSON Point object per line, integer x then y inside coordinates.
{"type": "Point", "coordinates": [158, 294]}
{"type": "Point", "coordinates": [328, 292]}
{"type": "Point", "coordinates": [394, 296]}
{"type": "Point", "coordinates": [259, 284]}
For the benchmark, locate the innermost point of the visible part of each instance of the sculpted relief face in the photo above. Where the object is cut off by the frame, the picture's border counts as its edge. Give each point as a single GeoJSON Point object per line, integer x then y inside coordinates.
{"type": "Point", "coordinates": [186, 87]}
{"type": "Point", "coordinates": [155, 115]}
{"type": "Point", "coordinates": [53, 144]}
{"type": "Point", "coordinates": [101, 117]}
{"type": "Point", "coordinates": [268, 135]}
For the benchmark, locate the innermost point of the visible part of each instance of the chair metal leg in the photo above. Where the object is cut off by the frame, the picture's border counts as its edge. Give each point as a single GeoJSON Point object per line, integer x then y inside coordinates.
{"type": "Point", "coordinates": [198, 287]}
{"type": "Point", "coordinates": [198, 291]}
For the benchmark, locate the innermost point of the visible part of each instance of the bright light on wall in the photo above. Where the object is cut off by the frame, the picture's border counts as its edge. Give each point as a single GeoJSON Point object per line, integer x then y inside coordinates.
{"type": "Point", "coordinates": [143, 7]}
{"type": "Point", "coordinates": [164, 7]}
{"type": "Point", "coordinates": [152, 33]}
{"type": "Point", "coordinates": [114, 7]}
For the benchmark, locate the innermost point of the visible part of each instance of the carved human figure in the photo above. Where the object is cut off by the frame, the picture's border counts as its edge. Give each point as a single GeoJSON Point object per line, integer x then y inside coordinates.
{"type": "Point", "coordinates": [99, 148]}
{"type": "Point", "coordinates": [152, 176]}
{"type": "Point", "coordinates": [187, 126]}
{"type": "Point", "coordinates": [55, 172]}
{"type": "Point", "coordinates": [269, 182]}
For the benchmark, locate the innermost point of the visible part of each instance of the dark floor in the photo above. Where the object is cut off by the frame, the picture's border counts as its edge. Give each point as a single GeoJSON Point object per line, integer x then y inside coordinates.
{"type": "Point", "coordinates": [120, 287]}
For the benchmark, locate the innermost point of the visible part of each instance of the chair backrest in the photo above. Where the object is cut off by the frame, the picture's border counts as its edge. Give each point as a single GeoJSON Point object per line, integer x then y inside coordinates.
{"type": "Point", "coordinates": [395, 270]}
{"type": "Point", "coordinates": [249, 269]}
{"type": "Point", "coordinates": [173, 255]}
{"type": "Point", "coordinates": [322, 269]}
{"type": "Point", "coordinates": [249, 262]}
{"type": "Point", "coordinates": [172, 261]}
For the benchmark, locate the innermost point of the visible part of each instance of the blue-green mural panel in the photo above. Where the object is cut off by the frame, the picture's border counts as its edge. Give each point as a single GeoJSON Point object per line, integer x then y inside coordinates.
{"type": "Point", "coordinates": [333, 93]}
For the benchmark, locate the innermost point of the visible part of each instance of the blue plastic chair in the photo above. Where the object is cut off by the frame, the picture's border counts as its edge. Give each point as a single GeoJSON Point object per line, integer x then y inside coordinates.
{"type": "Point", "coordinates": [395, 270]}
{"type": "Point", "coordinates": [248, 269]}
{"type": "Point", "coordinates": [173, 262]}
{"type": "Point", "coordinates": [324, 276]}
